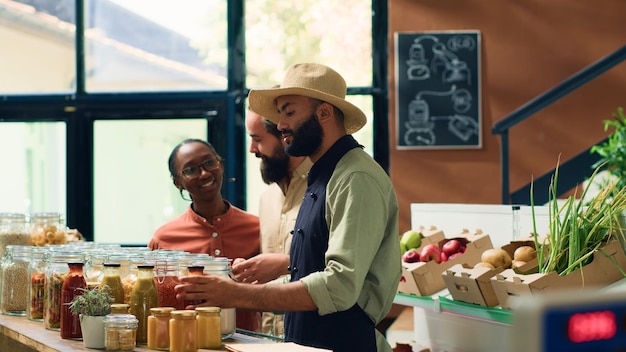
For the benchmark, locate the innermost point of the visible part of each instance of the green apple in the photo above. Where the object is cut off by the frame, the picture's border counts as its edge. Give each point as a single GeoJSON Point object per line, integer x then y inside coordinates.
{"type": "Point", "coordinates": [411, 239]}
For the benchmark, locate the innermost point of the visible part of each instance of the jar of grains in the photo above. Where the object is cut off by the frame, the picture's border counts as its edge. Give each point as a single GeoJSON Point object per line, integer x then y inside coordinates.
{"type": "Point", "coordinates": [13, 300]}
{"type": "Point", "coordinates": [36, 287]}
{"type": "Point", "coordinates": [56, 270]}
{"type": "Point", "coordinates": [13, 230]}
{"type": "Point", "coordinates": [47, 228]}
{"type": "Point", "coordinates": [120, 332]}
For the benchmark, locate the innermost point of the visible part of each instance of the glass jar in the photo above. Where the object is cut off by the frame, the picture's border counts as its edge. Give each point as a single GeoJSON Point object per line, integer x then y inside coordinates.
{"type": "Point", "coordinates": [129, 279]}
{"type": "Point", "coordinates": [13, 231]}
{"type": "Point", "coordinates": [183, 331]}
{"type": "Point", "coordinates": [119, 308]}
{"type": "Point", "coordinates": [194, 270]}
{"type": "Point", "coordinates": [209, 327]}
{"type": "Point", "coordinates": [143, 297]}
{"type": "Point", "coordinates": [73, 285]}
{"type": "Point", "coordinates": [36, 287]}
{"type": "Point", "coordinates": [15, 280]}
{"type": "Point", "coordinates": [94, 269]}
{"type": "Point", "coordinates": [166, 278]}
{"type": "Point", "coordinates": [112, 279]}
{"type": "Point", "coordinates": [221, 266]}
{"type": "Point", "coordinates": [47, 228]}
{"type": "Point", "coordinates": [56, 271]}
{"type": "Point", "coordinates": [120, 332]}
{"type": "Point", "coordinates": [158, 328]}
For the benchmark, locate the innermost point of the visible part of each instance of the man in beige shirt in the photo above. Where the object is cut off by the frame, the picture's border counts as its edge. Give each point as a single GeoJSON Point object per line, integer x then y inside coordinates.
{"type": "Point", "coordinates": [286, 177]}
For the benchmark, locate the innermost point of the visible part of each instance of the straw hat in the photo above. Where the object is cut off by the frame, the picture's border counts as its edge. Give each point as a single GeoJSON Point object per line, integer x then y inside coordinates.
{"type": "Point", "coordinates": [309, 80]}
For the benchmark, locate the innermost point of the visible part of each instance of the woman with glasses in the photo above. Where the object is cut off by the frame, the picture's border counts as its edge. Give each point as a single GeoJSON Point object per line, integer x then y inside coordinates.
{"type": "Point", "coordinates": [211, 224]}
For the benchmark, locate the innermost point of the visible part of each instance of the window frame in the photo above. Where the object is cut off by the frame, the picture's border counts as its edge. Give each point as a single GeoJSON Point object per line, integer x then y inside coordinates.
{"type": "Point", "coordinates": [80, 110]}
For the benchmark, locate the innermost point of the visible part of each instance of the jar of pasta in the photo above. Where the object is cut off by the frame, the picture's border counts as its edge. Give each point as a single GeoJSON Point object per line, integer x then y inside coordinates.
{"type": "Point", "coordinates": [56, 271]}
{"type": "Point", "coordinates": [36, 287]}
{"type": "Point", "coordinates": [13, 231]}
{"type": "Point", "coordinates": [14, 298]}
{"type": "Point", "coordinates": [47, 228]}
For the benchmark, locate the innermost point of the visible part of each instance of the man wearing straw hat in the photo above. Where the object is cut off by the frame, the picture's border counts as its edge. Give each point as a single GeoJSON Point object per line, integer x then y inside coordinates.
{"type": "Point", "coordinates": [345, 251]}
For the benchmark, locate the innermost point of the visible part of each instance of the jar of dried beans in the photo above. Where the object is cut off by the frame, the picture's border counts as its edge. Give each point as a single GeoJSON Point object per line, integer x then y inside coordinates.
{"type": "Point", "coordinates": [13, 231]}
{"type": "Point", "coordinates": [13, 300]}
{"type": "Point", "coordinates": [47, 228]}
{"type": "Point", "coordinates": [36, 287]}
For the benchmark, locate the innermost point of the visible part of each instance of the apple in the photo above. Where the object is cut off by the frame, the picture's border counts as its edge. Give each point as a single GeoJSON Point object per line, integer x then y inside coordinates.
{"type": "Point", "coordinates": [411, 256]}
{"type": "Point", "coordinates": [411, 239]}
{"type": "Point", "coordinates": [443, 256]}
{"type": "Point", "coordinates": [454, 255]}
{"type": "Point", "coordinates": [430, 252]}
{"type": "Point", "coordinates": [452, 246]}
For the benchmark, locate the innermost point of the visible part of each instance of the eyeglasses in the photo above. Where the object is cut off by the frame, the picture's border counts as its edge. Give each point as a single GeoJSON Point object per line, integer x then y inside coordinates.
{"type": "Point", "coordinates": [194, 171]}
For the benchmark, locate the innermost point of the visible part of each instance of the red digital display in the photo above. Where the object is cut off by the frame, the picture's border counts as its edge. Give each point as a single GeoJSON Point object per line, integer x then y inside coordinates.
{"type": "Point", "coordinates": [591, 326]}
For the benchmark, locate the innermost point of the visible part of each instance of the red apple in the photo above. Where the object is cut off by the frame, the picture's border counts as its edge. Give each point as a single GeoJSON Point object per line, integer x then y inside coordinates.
{"type": "Point", "coordinates": [430, 252]}
{"type": "Point", "coordinates": [452, 246]}
{"type": "Point", "coordinates": [444, 257]}
{"type": "Point", "coordinates": [454, 255]}
{"type": "Point", "coordinates": [411, 256]}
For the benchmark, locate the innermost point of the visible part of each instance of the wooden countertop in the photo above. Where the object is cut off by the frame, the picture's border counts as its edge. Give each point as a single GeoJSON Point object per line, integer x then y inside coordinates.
{"type": "Point", "coordinates": [21, 334]}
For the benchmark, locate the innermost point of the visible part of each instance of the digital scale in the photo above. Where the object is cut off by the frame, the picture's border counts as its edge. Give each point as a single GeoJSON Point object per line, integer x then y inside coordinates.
{"type": "Point", "coordinates": [590, 320]}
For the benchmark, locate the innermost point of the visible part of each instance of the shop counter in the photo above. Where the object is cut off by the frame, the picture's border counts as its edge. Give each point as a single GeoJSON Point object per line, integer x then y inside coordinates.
{"type": "Point", "coordinates": [18, 334]}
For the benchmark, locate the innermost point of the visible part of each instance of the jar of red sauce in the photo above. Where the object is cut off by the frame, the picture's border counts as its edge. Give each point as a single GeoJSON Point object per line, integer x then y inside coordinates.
{"type": "Point", "coordinates": [72, 285]}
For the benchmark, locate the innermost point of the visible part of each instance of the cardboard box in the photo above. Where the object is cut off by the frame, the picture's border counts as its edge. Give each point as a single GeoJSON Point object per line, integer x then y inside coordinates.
{"type": "Point", "coordinates": [602, 271]}
{"type": "Point", "coordinates": [424, 278]}
{"type": "Point", "coordinates": [470, 285]}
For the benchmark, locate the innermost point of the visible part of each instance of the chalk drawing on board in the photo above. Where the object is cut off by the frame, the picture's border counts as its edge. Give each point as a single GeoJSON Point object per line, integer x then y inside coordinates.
{"type": "Point", "coordinates": [420, 125]}
{"type": "Point", "coordinates": [438, 97]}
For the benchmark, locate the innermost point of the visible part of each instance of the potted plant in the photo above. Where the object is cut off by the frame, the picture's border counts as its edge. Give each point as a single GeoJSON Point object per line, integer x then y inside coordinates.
{"type": "Point", "coordinates": [92, 306]}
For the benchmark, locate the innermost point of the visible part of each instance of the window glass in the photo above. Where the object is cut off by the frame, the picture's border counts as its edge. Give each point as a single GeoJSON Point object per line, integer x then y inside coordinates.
{"type": "Point", "coordinates": [155, 45]}
{"type": "Point", "coordinates": [39, 51]}
{"type": "Point", "coordinates": [336, 33]}
{"type": "Point", "coordinates": [133, 191]}
{"type": "Point", "coordinates": [33, 164]}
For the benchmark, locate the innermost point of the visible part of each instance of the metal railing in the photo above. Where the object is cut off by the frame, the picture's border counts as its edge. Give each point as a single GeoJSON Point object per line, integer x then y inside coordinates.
{"type": "Point", "coordinates": [578, 167]}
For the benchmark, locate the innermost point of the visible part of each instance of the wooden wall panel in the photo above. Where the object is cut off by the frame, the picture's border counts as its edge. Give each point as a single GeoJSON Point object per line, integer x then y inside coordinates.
{"type": "Point", "coordinates": [528, 46]}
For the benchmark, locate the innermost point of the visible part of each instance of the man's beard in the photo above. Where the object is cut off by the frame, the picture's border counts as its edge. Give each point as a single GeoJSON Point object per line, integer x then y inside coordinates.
{"type": "Point", "coordinates": [275, 168]}
{"type": "Point", "coordinates": [306, 139]}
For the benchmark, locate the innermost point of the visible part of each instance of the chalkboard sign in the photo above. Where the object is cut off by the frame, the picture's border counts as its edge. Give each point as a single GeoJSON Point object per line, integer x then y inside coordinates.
{"type": "Point", "coordinates": [438, 90]}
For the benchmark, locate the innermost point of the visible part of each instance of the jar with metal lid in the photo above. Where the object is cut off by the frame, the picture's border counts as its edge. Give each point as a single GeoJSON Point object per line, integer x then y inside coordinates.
{"type": "Point", "coordinates": [47, 228]}
{"type": "Point", "coordinates": [113, 280]}
{"type": "Point", "coordinates": [120, 332]}
{"type": "Point", "coordinates": [15, 281]}
{"type": "Point", "coordinates": [143, 297]}
{"type": "Point", "coordinates": [119, 308]}
{"type": "Point", "coordinates": [94, 260]}
{"type": "Point", "coordinates": [166, 278]}
{"type": "Point", "coordinates": [209, 327]}
{"type": "Point", "coordinates": [56, 271]}
{"type": "Point", "coordinates": [36, 286]}
{"type": "Point", "coordinates": [158, 328]}
{"type": "Point", "coordinates": [129, 279]}
{"type": "Point", "coordinates": [221, 266]}
{"type": "Point", "coordinates": [13, 231]}
{"type": "Point", "coordinates": [183, 331]}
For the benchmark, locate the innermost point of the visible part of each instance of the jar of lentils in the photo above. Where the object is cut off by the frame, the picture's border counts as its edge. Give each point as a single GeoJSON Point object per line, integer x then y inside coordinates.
{"type": "Point", "coordinates": [13, 300]}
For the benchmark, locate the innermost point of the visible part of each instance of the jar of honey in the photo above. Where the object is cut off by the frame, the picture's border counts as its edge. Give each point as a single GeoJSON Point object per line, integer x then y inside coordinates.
{"type": "Point", "coordinates": [183, 331]}
{"type": "Point", "coordinates": [209, 327]}
{"type": "Point", "coordinates": [158, 328]}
